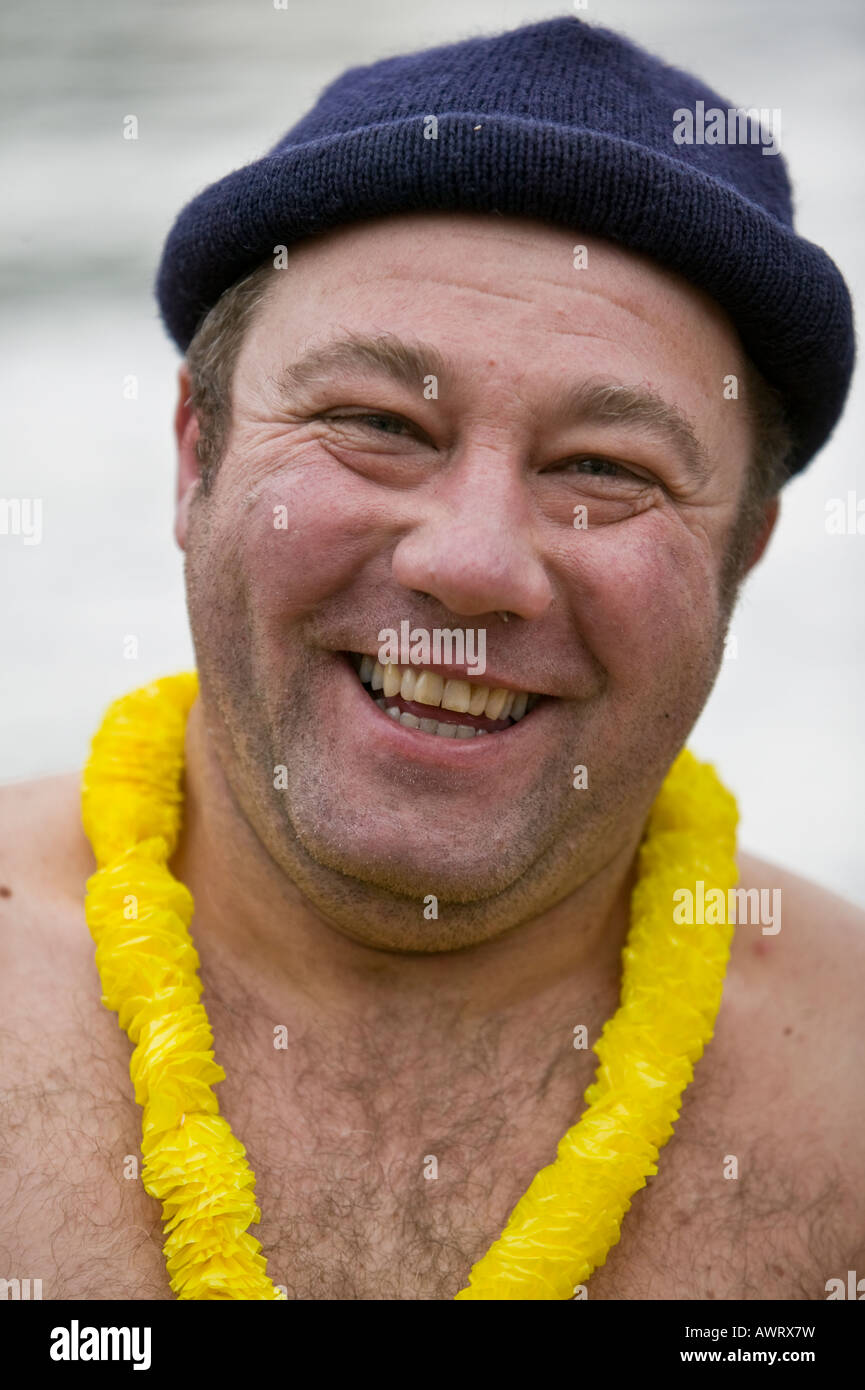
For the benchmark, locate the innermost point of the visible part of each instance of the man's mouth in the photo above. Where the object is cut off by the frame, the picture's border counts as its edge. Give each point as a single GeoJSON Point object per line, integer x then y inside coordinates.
{"type": "Point", "coordinates": [420, 698]}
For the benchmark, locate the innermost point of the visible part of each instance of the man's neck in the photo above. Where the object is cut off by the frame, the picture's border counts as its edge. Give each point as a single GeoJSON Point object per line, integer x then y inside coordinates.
{"type": "Point", "coordinates": [253, 926]}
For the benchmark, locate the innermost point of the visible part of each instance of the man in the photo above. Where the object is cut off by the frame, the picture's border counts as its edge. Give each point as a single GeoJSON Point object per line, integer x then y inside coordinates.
{"type": "Point", "coordinates": [537, 378]}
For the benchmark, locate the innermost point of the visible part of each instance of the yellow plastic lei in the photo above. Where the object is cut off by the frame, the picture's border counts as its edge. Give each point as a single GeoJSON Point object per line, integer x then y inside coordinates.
{"type": "Point", "coordinates": [570, 1217]}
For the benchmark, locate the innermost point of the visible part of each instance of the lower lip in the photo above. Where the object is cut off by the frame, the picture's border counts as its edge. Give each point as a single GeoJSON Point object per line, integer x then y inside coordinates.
{"type": "Point", "coordinates": [432, 749]}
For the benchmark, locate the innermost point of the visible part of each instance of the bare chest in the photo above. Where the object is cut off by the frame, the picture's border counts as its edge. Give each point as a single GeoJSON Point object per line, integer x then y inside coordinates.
{"type": "Point", "coordinates": [410, 1225]}
{"type": "Point", "coordinates": [370, 1211]}
{"type": "Point", "coordinates": [391, 1178]}
{"type": "Point", "coordinates": [395, 1190]}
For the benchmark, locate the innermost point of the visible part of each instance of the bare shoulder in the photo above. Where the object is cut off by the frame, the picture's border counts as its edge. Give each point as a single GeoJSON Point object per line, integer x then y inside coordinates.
{"type": "Point", "coordinates": [801, 943]}
{"type": "Point", "coordinates": [68, 1124]}
{"type": "Point", "coordinates": [43, 847]}
{"type": "Point", "coordinates": [791, 1040]}
{"type": "Point", "coordinates": [794, 990]}
{"type": "Point", "coordinates": [759, 1195]}
{"type": "Point", "coordinates": [45, 861]}
{"type": "Point", "coordinates": [26, 805]}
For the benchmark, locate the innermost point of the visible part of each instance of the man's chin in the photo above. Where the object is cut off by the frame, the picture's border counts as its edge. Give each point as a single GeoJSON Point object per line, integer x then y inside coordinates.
{"type": "Point", "coordinates": [415, 907]}
{"type": "Point", "coordinates": [416, 870]}
{"type": "Point", "coordinates": [399, 883]}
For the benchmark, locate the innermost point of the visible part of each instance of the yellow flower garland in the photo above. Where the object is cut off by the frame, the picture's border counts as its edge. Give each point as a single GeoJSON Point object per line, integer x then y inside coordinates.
{"type": "Point", "coordinates": [570, 1217]}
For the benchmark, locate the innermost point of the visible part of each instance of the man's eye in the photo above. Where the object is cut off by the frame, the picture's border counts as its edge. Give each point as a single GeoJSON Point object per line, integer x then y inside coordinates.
{"type": "Point", "coordinates": [594, 467]}
{"type": "Point", "coordinates": [374, 420]}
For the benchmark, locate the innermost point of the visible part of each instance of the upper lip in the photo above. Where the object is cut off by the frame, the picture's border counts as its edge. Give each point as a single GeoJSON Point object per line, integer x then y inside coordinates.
{"type": "Point", "coordinates": [490, 677]}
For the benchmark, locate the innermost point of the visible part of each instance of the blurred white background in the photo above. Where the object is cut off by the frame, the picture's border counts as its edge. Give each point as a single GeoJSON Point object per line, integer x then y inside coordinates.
{"type": "Point", "coordinates": [213, 85]}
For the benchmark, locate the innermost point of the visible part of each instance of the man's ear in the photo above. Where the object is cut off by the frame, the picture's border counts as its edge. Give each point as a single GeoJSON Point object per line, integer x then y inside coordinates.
{"type": "Point", "coordinates": [186, 432]}
{"type": "Point", "coordinates": [761, 538]}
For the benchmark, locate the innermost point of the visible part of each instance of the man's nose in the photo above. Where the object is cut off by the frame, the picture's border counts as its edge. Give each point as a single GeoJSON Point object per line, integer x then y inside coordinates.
{"type": "Point", "coordinates": [475, 546]}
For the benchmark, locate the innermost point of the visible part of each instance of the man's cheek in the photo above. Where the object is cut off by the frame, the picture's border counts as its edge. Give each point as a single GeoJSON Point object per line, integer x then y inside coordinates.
{"type": "Point", "coordinates": [667, 604]}
{"type": "Point", "coordinates": [301, 544]}
{"type": "Point", "coordinates": [645, 605]}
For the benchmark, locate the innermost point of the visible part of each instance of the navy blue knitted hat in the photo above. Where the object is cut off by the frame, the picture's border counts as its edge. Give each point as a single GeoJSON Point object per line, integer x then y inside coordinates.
{"type": "Point", "coordinates": [561, 121]}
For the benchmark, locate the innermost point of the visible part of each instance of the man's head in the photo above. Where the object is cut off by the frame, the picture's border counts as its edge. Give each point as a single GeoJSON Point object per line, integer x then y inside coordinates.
{"type": "Point", "coordinates": [509, 378]}
{"type": "Point", "coordinates": [421, 407]}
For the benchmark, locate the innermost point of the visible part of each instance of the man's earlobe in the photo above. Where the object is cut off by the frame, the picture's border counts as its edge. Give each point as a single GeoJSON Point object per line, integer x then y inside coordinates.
{"type": "Point", "coordinates": [761, 539]}
{"type": "Point", "coordinates": [187, 432]}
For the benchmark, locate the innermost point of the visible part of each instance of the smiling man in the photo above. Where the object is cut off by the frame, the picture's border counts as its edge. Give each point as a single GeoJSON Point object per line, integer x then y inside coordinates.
{"type": "Point", "coordinates": [479, 348]}
{"type": "Point", "coordinates": [567, 390]}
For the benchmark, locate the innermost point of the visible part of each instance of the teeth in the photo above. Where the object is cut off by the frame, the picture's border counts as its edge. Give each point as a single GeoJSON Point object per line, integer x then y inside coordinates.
{"type": "Point", "coordinates": [478, 702]}
{"type": "Point", "coordinates": [431, 726]}
{"type": "Point", "coordinates": [457, 696]}
{"type": "Point", "coordinates": [409, 681]}
{"type": "Point", "coordinates": [392, 680]}
{"type": "Point", "coordinates": [429, 688]}
{"type": "Point", "coordinates": [495, 703]}
{"type": "Point", "coordinates": [518, 708]}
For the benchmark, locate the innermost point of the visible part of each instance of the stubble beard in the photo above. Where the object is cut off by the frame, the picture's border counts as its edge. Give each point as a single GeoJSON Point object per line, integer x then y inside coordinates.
{"type": "Point", "coordinates": [552, 850]}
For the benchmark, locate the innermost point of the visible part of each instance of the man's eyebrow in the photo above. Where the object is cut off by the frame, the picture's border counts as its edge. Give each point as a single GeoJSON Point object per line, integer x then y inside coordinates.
{"type": "Point", "coordinates": [407, 363]}
{"type": "Point", "coordinates": [639, 409]}
{"type": "Point", "coordinates": [589, 402]}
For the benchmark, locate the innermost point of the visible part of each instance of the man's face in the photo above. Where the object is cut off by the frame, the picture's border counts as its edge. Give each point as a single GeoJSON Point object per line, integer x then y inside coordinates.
{"type": "Point", "coordinates": [355, 497]}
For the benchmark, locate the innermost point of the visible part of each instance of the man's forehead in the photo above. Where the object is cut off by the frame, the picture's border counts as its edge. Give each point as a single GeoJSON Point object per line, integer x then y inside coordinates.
{"type": "Point", "coordinates": [412, 269]}
{"type": "Point", "coordinates": [500, 250]}
{"type": "Point", "coordinates": [619, 339]}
